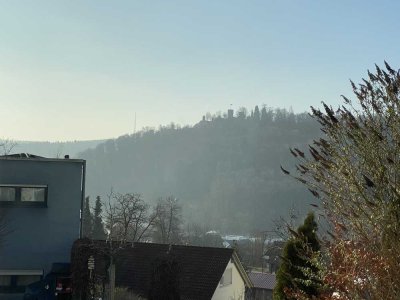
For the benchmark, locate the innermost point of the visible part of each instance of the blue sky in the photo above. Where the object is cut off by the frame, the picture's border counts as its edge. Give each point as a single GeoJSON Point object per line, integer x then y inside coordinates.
{"type": "Point", "coordinates": [72, 70]}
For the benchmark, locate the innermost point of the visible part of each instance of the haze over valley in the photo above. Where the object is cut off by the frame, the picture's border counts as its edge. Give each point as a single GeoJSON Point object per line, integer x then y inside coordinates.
{"type": "Point", "coordinates": [224, 170]}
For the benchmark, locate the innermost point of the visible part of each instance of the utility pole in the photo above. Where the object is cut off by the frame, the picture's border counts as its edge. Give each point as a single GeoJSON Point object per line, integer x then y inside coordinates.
{"type": "Point", "coordinates": [111, 268]}
{"type": "Point", "coordinates": [91, 268]}
{"type": "Point", "coordinates": [111, 271]}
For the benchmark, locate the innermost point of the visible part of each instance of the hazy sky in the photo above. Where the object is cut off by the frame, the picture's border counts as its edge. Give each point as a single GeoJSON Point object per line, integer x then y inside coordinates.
{"type": "Point", "coordinates": [72, 70]}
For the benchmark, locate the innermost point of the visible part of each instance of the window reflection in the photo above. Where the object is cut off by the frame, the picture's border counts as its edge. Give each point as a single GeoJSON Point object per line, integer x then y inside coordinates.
{"type": "Point", "coordinates": [32, 194]}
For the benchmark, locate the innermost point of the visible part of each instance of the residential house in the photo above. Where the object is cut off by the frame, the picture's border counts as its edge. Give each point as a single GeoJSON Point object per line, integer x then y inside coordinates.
{"type": "Point", "coordinates": [41, 199]}
{"type": "Point", "coordinates": [202, 272]}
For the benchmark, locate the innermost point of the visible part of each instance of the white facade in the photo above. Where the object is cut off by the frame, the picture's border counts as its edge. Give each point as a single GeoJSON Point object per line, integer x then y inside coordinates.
{"type": "Point", "coordinates": [230, 291]}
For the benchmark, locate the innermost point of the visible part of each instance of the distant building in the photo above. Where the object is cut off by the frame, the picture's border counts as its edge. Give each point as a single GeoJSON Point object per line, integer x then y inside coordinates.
{"type": "Point", "coordinates": [204, 272]}
{"type": "Point", "coordinates": [41, 199]}
{"type": "Point", "coordinates": [263, 286]}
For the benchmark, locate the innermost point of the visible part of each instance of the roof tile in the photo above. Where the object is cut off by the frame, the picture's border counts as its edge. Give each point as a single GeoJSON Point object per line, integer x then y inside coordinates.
{"type": "Point", "coordinates": [263, 280]}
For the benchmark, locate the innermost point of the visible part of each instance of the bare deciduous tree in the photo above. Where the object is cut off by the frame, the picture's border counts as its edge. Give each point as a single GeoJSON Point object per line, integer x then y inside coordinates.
{"type": "Point", "coordinates": [6, 146]}
{"type": "Point", "coordinates": [195, 234]}
{"type": "Point", "coordinates": [167, 221]}
{"type": "Point", "coordinates": [202, 235]}
{"type": "Point", "coordinates": [128, 217]}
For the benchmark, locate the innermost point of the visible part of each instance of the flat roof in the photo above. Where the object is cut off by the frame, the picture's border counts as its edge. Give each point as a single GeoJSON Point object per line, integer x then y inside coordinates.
{"type": "Point", "coordinates": [31, 157]}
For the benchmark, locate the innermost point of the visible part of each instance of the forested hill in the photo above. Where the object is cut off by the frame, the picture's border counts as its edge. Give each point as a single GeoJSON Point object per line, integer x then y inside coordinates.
{"type": "Point", "coordinates": [224, 170]}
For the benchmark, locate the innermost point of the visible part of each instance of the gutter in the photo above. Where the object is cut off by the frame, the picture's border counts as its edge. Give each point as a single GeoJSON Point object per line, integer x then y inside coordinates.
{"type": "Point", "coordinates": [83, 183]}
{"type": "Point", "coordinates": [241, 270]}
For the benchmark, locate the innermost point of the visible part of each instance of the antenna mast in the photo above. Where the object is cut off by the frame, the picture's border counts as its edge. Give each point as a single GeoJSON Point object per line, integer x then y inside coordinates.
{"type": "Point", "coordinates": [134, 126]}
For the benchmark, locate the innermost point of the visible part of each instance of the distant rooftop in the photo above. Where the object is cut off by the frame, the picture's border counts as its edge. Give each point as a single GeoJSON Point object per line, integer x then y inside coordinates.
{"type": "Point", "coordinates": [263, 280]}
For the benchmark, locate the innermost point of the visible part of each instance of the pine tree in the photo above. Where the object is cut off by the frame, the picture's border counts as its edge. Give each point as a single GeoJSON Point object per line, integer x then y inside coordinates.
{"type": "Point", "coordinates": [266, 115]}
{"type": "Point", "coordinates": [87, 220]}
{"type": "Point", "coordinates": [257, 115]}
{"type": "Point", "coordinates": [98, 226]}
{"type": "Point", "coordinates": [298, 272]}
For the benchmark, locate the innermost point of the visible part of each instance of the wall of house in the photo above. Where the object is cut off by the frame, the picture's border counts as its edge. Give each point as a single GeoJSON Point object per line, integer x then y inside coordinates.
{"type": "Point", "coordinates": [41, 236]}
{"type": "Point", "coordinates": [233, 291]}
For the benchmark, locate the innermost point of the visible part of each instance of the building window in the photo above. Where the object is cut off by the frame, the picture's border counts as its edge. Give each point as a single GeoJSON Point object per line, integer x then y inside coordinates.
{"type": "Point", "coordinates": [15, 281]}
{"type": "Point", "coordinates": [30, 194]}
{"type": "Point", "coordinates": [23, 195]}
{"type": "Point", "coordinates": [7, 194]}
{"type": "Point", "coordinates": [226, 279]}
{"type": "Point", "coordinates": [24, 280]}
{"type": "Point", "coordinates": [5, 280]}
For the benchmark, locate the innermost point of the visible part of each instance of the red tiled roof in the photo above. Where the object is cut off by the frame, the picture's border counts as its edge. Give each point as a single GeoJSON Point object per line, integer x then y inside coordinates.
{"type": "Point", "coordinates": [263, 280]}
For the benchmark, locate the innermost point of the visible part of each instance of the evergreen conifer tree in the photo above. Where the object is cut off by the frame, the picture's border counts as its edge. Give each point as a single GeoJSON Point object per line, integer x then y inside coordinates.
{"type": "Point", "coordinates": [87, 219]}
{"type": "Point", "coordinates": [98, 226]}
{"type": "Point", "coordinates": [298, 273]}
{"type": "Point", "coordinates": [257, 115]}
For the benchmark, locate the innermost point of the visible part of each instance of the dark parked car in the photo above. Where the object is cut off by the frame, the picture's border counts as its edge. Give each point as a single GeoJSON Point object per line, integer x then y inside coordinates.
{"type": "Point", "coordinates": [55, 286]}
